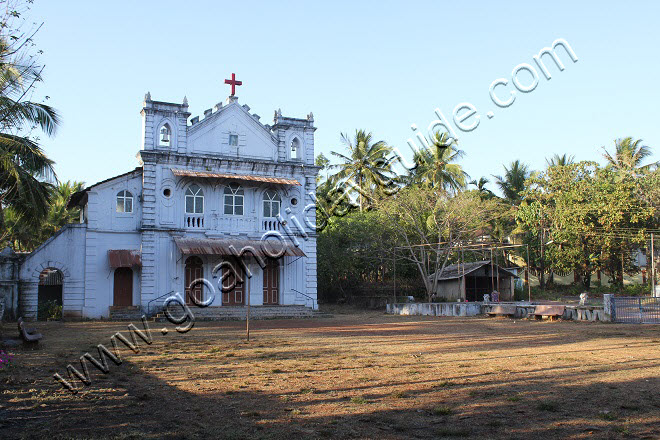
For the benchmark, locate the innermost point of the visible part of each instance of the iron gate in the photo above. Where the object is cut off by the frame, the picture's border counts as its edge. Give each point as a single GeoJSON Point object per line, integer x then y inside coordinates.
{"type": "Point", "coordinates": [636, 310]}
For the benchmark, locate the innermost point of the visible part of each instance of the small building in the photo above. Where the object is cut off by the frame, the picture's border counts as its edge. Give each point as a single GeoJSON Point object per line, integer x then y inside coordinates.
{"type": "Point", "coordinates": [471, 281]}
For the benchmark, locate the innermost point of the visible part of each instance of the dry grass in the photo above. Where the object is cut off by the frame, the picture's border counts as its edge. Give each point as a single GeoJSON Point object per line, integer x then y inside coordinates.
{"type": "Point", "coordinates": [352, 376]}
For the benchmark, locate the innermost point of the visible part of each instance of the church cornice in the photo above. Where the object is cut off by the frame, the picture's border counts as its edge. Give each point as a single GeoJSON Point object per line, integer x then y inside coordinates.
{"type": "Point", "coordinates": [207, 162]}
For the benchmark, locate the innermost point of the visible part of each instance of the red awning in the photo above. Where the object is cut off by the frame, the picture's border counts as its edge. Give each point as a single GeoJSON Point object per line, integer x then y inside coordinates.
{"type": "Point", "coordinates": [124, 258]}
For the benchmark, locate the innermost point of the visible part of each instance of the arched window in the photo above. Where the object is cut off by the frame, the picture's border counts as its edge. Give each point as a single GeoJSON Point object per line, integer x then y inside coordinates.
{"type": "Point", "coordinates": [272, 202]}
{"type": "Point", "coordinates": [165, 138]}
{"type": "Point", "coordinates": [234, 196]}
{"type": "Point", "coordinates": [194, 200]}
{"type": "Point", "coordinates": [124, 201]}
{"type": "Point", "coordinates": [295, 148]}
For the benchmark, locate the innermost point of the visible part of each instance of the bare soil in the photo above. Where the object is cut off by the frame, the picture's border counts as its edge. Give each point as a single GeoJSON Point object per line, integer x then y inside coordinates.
{"type": "Point", "coordinates": [357, 375]}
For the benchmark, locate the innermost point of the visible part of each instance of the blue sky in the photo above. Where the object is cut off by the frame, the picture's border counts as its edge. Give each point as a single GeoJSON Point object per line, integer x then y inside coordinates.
{"type": "Point", "coordinates": [380, 66]}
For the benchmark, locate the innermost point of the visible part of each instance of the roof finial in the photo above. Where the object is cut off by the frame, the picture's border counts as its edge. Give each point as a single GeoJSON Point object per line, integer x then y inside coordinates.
{"type": "Point", "coordinates": [147, 97]}
{"type": "Point", "coordinates": [185, 100]}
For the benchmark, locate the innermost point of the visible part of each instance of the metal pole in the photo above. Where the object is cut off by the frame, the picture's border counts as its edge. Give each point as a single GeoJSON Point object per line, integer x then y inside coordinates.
{"type": "Point", "coordinates": [492, 277]}
{"type": "Point", "coordinates": [529, 284]}
{"type": "Point", "coordinates": [652, 267]}
{"type": "Point", "coordinates": [394, 262]}
{"type": "Point", "coordinates": [247, 320]}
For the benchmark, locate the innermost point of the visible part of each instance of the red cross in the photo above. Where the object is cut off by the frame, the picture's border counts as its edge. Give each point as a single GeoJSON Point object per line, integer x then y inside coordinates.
{"type": "Point", "coordinates": [233, 83]}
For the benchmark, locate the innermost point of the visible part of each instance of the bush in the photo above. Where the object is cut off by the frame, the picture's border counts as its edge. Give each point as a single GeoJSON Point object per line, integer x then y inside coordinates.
{"type": "Point", "coordinates": [49, 310]}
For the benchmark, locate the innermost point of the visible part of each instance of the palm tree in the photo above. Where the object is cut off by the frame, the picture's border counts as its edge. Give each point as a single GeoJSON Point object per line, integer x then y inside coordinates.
{"type": "Point", "coordinates": [435, 167]}
{"type": "Point", "coordinates": [513, 182]}
{"type": "Point", "coordinates": [367, 167]}
{"type": "Point", "coordinates": [629, 155]}
{"type": "Point", "coordinates": [484, 192]}
{"type": "Point", "coordinates": [562, 160]}
{"type": "Point", "coordinates": [25, 171]}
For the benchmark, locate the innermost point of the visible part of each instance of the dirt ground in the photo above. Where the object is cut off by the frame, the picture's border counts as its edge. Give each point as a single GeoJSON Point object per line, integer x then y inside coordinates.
{"type": "Point", "coordinates": [351, 376]}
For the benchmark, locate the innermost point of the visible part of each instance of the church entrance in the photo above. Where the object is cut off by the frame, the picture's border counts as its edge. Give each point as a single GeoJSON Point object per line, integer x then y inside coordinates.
{"type": "Point", "coordinates": [123, 287]}
{"type": "Point", "coordinates": [271, 282]}
{"type": "Point", "coordinates": [194, 271]}
{"type": "Point", "coordinates": [235, 296]}
{"type": "Point", "coordinates": [49, 295]}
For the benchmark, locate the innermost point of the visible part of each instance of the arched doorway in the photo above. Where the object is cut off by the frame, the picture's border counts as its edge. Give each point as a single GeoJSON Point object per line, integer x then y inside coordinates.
{"type": "Point", "coordinates": [123, 287]}
{"type": "Point", "coordinates": [194, 270]}
{"type": "Point", "coordinates": [49, 294]}
{"type": "Point", "coordinates": [272, 282]}
{"type": "Point", "coordinates": [236, 277]}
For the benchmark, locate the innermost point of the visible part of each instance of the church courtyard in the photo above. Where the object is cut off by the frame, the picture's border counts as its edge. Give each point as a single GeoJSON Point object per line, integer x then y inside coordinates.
{"type": "Point", "coordinates": [355, 375]}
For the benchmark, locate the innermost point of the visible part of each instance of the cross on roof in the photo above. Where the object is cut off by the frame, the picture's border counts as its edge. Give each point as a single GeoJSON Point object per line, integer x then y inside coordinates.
{"type": "Point", "coordinates": [233, 83]}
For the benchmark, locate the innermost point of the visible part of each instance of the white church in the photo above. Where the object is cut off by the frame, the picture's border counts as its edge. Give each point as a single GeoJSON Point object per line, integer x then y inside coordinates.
{"type": "Point", "coordinates": [205, 190]}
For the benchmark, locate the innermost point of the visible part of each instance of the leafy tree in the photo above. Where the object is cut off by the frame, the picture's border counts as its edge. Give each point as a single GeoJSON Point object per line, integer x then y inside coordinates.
{"type": "Point", "coordinates": [366, 168]}
{"type": "Point", "coordinates": [440, 221]}
{"type": "Point", "coordinates": [629, 154]}
{"type": "Point", "coordinates": [584, 209]}
{"type": "Point", "coordinates": [435, 166]}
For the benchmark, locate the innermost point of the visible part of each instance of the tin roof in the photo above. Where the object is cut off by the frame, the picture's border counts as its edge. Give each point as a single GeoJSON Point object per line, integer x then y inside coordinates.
{"type": "Point", "coordinates": [124, 258]}
{"type": "Point", "coordinates": [212, 246]}
{"type": "Point", "coordinates": [454, 271]}
{"type": "Point", "coordinates": [244, 177]}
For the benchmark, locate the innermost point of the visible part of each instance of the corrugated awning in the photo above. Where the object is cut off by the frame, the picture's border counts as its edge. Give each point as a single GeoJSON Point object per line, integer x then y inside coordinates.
{"type": "Point", "coordinates": [124, 258]}
{"type": "Point", "coordinates": [210, 246]}
{"type": "Point", "coordinates": [244, 177]}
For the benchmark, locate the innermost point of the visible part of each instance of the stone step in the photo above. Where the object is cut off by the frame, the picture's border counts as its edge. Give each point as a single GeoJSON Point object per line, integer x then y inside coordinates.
{"type": "Point", "coordinates": [127, 313]}
{"type": "Point", "coordinates": [239, 313]}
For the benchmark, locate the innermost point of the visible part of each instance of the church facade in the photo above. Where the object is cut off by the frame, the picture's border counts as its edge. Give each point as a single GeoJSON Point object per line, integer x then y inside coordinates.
{"type": "Point", "coordinates": [222, 198]}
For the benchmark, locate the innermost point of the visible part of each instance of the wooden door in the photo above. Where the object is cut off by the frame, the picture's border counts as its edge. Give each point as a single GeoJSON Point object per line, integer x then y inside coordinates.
{"type": "Point", "coordinates": [271, 282]}
{"type": "Point", "coordinates": [123, 287]}
{"type": "Point", "coordinates": [194, 271]}
{"type": "Point", "coordinates": [235, 296]}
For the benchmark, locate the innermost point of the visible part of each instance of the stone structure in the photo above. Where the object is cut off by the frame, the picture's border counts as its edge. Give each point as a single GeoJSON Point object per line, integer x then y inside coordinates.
{"type": "Point", "coordinates": [204, 191]}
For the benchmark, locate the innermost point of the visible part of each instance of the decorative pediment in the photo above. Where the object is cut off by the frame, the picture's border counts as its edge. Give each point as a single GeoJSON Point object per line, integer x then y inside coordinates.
{"type": "Point", "coordinates": [231, 131]}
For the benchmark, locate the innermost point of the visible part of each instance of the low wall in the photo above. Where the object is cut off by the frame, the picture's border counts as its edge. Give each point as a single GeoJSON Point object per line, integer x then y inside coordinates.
{"type": "Point", "coordinates": [523, 310]}
{"type": "Point", "coordinates": [435, 309]}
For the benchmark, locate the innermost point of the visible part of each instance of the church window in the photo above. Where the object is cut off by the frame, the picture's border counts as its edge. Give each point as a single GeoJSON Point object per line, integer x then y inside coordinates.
{"type": "Point", "coordinates": [194, 200]}
{"type": "Point", "coordinates": [233, 140]}
{"type": "Point", "coordinates": [295, 148]}
{"type": "Point", "coordinates": [272, 204]}
{"type": "Point", "coordinates": [234, 198]}
{"type": "Point", "coordinates": [165, 136]}
{"type": "Point", "coordinates": [124, 202]}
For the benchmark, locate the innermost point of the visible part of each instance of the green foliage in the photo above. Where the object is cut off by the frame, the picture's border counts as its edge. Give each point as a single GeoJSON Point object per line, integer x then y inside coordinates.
{"type": "Point", "coordinates": [49, 310]}
{"type": "Point", "coordinates": [24, 233]}
{"type": "Point", "coordinates": [435, 166]}
{"type": "Point", "coordinates": [581, 208]}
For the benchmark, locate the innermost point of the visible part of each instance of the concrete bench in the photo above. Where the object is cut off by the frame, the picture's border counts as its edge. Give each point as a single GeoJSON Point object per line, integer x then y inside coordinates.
{"type": "Point", "coordinates": [27, 334]}
{"type": "Point", "coordinates": [505, 309]}
{"type": "Point", "coordinates": [552, 312]}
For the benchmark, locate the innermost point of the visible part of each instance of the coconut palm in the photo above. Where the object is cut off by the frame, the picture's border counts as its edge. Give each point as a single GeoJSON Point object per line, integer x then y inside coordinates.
{"type": "Point", "coordinates": [435, 165]}
{"type": "Point", "coordinates": [480, 185]}
{"type": "Point", "coordinates": [629, 155]}
{"type": "Point", "coordinates": [366, 168]}
{"type": "Point", "coordinates": [512, 184]}
{"type": "Point", "coordinates": [25, 170]}
{"type": "Point", "coordinates": [562, 160]}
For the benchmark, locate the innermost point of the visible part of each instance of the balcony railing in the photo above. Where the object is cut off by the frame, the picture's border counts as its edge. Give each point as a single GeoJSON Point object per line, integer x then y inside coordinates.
{"type": "Point", "coordinates": [194, 221]}
{"type": "Point", "coordinates": [271, 225]}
